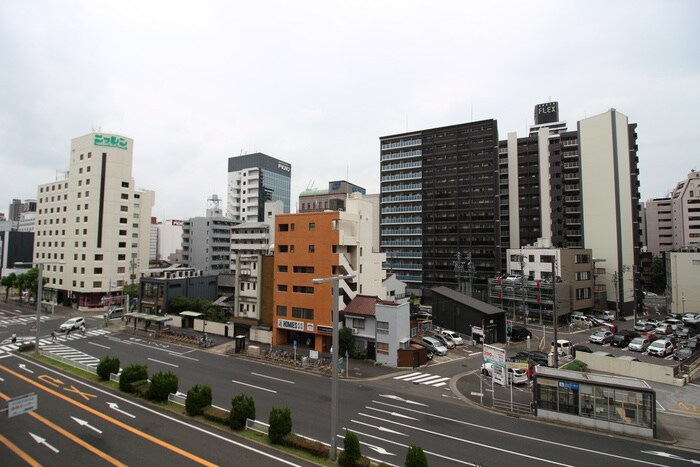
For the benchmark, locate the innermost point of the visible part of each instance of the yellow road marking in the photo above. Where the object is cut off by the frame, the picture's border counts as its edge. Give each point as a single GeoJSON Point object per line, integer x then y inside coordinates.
{"type": "Point", "coordinates": [72, 437]}
{"type": "Point", "coordinates": [25, 457]}
{"type": "Point", "coordinates": [114, 421]}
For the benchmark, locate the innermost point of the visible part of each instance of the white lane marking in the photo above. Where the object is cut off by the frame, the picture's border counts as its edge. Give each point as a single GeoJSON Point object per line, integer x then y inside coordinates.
{"type": "Point", "coordinates": [114, 406]}
{"type": "Point", "coordinates": [380, 428]}
{"type": "Point", "coordinates": [451, 459]}
{"type": "Point", "coordinates": [518, 435]}
{"type": "Point", "coordinates": [252, 386]}
{"type": "Point", "coordinates": [164, 363]}
{"type": "Point", "coordinates": [454, 438]}
{"type": "Point", "coordinates": [393, 414]}
{"type": "Point", "coordinates": [659, 404]}
{"type": "Point", "coordinates": [158, 414]}
{"type": "Point", "coordinates": [99, 345]}
{"type": "Point", "coordinates": [272, 377]}
{"type": "Point", "coordinates": [183, 356]}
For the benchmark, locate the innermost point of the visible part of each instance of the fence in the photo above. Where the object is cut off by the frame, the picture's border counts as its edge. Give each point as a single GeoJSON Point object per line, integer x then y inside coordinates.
{"type": "Point", "coordinates": [259, 427]}
{"type": "Point", "coordinates": [515, 407]}
{"type": "Point", "coordinates": [65, 361]}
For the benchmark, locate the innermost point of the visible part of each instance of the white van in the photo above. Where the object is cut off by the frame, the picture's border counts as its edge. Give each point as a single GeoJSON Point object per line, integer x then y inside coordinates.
{"type": "Point", "coordinates": [564, 347]}
{"type": "Point", "coordinates": [114, 313]}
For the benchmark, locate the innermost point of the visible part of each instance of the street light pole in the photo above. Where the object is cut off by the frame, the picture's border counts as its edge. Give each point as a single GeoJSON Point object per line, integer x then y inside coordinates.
{"type": "Point", "coordinates": [40, 291]}
{"type": "Point", "coordinates": [334, 359]}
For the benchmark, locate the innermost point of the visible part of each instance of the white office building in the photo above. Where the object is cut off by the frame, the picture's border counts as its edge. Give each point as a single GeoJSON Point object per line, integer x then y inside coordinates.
{"type": "Point", "coordinates": [92, 223]}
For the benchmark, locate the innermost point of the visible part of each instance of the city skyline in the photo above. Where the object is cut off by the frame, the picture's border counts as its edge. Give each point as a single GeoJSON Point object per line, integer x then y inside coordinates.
{"type": "Point", "coordinates": [317, 84]}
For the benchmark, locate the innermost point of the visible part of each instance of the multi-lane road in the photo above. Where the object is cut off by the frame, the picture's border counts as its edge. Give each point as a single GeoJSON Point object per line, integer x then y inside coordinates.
{"type": "Point", "coordinates": [388, 413]}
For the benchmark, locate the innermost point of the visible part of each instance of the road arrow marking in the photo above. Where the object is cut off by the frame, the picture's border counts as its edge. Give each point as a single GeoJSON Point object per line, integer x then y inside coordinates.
{"type": "Point", "coordinates": [84, 423]}
{"type": "Point", "coordinates": [668, 455]}
{"type": "Point", "coordinates": [397, 398]}
{"type": "Point", "coordinates": [41, 440]}
{"type": "Point", "coordinates": [379, 450]}
{"type": "Point", "coordinates": [24, 367]}
{"type": "Point", "coordinates": [114, 406]}
{"type": "Point", "coordinates": [387, 430]}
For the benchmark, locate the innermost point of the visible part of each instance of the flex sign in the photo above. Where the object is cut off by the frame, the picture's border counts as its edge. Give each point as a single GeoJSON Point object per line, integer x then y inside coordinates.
{"type": "Point", "coordinates": [110, 140]}
{"type": "Point", "coordinates": [494, 355]}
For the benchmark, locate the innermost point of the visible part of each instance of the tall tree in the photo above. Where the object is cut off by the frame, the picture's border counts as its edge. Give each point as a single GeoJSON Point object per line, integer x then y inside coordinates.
{"type": "Point", "coordinates": [9, 282]}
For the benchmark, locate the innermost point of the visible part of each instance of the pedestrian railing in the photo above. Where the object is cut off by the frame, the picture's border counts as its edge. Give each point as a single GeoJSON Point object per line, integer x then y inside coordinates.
{"type": "Point", "coordinates": [177, 398]}
{"type": "Point", "coordinates": [515, 407]}
{"type": "Point", "coordinates": [254, 425]}
{"type": "Point", "coordinates": [66, 361]}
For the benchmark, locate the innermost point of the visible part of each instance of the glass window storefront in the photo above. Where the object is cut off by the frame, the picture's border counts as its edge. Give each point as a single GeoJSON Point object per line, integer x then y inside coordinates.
{"type": "Point", "coordinates": [590, 400]}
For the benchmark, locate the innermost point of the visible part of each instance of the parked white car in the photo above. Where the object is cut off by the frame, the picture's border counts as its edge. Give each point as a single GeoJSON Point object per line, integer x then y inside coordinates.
{"type": "Point", "coordinates": [515, 375]}
{"type": "Point", "coordinates": [661, 348]}
{"type": "Point", "coordinates": [454, 336]}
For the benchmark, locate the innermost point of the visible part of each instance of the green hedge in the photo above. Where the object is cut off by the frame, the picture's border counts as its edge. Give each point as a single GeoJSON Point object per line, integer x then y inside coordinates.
{"type": "Point", "coordinates": [130, 375]}
{"type": "Point", "coordinates": [162, 385]}
{"type": "Point", "coordinates": [107, 366]}
{"type": "Point", "coordinates": [242, 407]}
{"type": "Point", "coordinates": [280, 424]}
{"type": "Point", "coordinates": [198, 398]}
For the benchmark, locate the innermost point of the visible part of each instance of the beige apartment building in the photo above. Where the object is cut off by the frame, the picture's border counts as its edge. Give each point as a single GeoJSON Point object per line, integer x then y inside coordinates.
{"type": "Point", "coordinates": [93, 224]}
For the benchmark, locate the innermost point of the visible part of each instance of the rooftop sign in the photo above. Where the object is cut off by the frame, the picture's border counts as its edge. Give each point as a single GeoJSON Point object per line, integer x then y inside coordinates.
{"type": "Point", "coordinates": [110, 140]}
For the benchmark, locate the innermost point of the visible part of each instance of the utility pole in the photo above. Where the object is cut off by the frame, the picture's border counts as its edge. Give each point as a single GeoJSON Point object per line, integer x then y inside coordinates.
{"type": "Point", "coordinates": [459, 270]}
{"type": "Point", "coordinates": [616, 279]}
{"type": "Point", "coordinates": [554, 311]}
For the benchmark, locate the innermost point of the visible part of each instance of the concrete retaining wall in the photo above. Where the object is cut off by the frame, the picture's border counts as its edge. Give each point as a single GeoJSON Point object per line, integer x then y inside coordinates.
{"type": "Point", "coordinates": [640, 370]}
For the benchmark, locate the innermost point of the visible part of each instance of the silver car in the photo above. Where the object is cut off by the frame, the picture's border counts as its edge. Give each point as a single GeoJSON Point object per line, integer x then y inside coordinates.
{"type": "Point", "coordinates": [434, 345]}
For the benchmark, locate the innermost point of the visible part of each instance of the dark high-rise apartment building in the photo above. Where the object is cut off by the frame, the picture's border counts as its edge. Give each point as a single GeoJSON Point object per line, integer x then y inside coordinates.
{"type": "Point", "coordinates": [439, 197]}
{"type": "Point", "coordinates": [459, 190]}
{"type": "Point", "coordinates": [577, 189]}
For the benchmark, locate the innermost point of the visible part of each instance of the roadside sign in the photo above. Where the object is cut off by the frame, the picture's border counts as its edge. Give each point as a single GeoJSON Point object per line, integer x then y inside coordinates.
{"type": "Point", "coordinates": [22, 404]}
{"type": "Point", "coordinates": [499, 375]}
{"type": "Point", "coordinates": [494, 355]}
{"type": "Point", "coordinates": [32, 328]}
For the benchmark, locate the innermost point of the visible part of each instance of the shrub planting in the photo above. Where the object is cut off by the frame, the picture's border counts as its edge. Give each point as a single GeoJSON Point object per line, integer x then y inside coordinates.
{"type": "Point", "coordinates": [415, 457]}
{"type": "Point", "coordinates": [216, 414]}
{"type": "Point", "coordinates": [198, 398]}
{"type": "Point", "coordinates": [107, 366]}
{"type": "Point", "coordinates": [242, 407]}
{"type": "Point", "coordinates": [162, 384]}
{"type": "Point", "coordinates": [132, 374]}
{"type": "Point", "coordinates": [315, 448]}
{"type": "Point", "coordinates": [351, 454]}
{"type": "Point", "coordinates": [280, 424]}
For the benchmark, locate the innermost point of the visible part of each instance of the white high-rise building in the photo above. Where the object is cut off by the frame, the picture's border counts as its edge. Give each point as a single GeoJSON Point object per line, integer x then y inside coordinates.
{"type": "Point", "coordinates": [92, 224]}
{"type": "Point", "coordinates": [254, 179]}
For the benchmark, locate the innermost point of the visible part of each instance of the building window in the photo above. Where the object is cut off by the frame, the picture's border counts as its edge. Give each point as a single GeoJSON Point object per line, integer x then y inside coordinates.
{"type": "Point", "coordinates": [312, 226]}
{"type": "Point", "coordinates": [312, 248]}
{"type": "Point", "coordinates": [583, 275]}
{"type": "Point", "coordinates": [303, 313]}
{"type": "Point", "coordinates": [382, 348]}
{"type": "Point", "coordinates": [281, 268]}
{"type": "Point", "coordinates": [97, 271]}
{"type": "Point", "coordinates": [302, 289]}
{"type": "Point", "coordinates": [283, 228]}
{"type": "Point", "coordinates": [303, 269]}
{"type": "Point", "coordinates": [281, 310]}
{"type": "Point", "coordinates": [282, 248]}
{"type": "Point", "coordinates": [582, 259]}
{"type": "Point", "coordinates": [382, 327]}
{"type": "Point", "coordinates": [95, 285]}
{"type": "Point", "coordinates": [281, 288]}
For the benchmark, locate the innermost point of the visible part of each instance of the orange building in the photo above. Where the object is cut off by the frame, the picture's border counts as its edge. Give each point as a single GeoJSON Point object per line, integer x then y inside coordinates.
{"type": "Point", "coordinates": [318, 245]}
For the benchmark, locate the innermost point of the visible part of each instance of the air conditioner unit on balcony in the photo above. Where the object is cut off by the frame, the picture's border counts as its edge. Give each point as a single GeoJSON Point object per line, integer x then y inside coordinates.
{"type": "Point", "coordinates": [355, 330]}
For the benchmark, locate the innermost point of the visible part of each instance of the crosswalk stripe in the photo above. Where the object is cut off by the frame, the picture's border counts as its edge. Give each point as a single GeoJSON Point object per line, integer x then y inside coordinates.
{"type": "Point", "coordinates": [413, 378]}
{"type": "Point", "coordinates": [407, 376]}
{"type": "Point", "coordinates": [436, 381]}
{"type": "Point", "coordinates": [439, 384]}
{"type": "Point", "coordinates": [426, 378]}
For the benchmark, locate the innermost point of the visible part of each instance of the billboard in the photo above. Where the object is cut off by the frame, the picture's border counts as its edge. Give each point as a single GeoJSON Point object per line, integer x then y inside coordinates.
{"type": "Point", "coordinates": [546, 113]}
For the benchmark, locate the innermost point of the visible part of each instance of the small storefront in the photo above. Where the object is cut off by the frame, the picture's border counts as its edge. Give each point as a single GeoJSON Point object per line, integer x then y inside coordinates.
{"type": "Point", "coordinates": [603, 402]}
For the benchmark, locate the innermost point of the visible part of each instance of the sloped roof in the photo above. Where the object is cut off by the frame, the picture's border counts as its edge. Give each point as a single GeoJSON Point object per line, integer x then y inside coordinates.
{"type": "Point", "coordinates": [467, 300]}
{"type": "Point", "coordinates": [365, 305]}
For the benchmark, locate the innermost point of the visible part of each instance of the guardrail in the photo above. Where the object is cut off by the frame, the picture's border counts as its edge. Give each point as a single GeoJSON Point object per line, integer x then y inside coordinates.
{"type": "Point", "coordinates": [515, 407]}
{"type": "Point", "coordinates": [177, 398]}
{"type": "Point", "coordinates": [80, 366]}
{"type": "Point", "coordinates": [259, 427]}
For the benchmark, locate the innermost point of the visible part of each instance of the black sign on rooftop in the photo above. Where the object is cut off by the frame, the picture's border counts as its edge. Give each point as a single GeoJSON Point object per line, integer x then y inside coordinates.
{"type": "Point", "coordinates": [546, 113]}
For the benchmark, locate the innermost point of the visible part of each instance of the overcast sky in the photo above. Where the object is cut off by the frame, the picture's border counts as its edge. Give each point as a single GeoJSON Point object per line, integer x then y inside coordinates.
{"type": "Point", "coordinates": [316, 83]}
